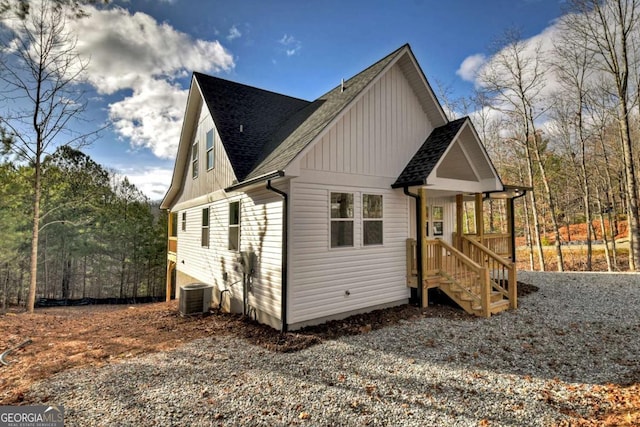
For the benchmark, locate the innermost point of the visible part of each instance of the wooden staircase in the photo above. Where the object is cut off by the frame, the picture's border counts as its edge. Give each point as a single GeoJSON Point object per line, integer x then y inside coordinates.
{"type": "Point", "coordinates": [474, 280]}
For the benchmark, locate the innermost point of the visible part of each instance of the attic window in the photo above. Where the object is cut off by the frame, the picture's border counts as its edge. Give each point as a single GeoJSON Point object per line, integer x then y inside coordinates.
{"type": "Point", "coordinates": [210, 158]}
{"type": "Point", "coordinates": [194, 160]}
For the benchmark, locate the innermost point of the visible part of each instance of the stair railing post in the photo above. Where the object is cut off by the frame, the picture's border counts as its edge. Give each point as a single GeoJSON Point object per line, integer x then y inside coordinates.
{"type": "Point", "coordinates": [485, 292]}
{"type": "Point", "coordinates": [513, 287]}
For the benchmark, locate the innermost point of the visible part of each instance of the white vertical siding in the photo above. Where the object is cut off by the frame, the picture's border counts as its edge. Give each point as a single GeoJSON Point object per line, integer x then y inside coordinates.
{"type": "Point", "coordinates": [320, 276]}
{"type": "Point", "coordinates": [260, 232]}
{"type": "Point", "coordinates": [378, 135]}
{"type": "Point", "coordinates": [208, 181]}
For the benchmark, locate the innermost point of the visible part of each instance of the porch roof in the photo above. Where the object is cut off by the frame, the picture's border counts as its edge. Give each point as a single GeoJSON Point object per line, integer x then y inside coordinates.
{"type": "Point", "coordinates": [428, 155]}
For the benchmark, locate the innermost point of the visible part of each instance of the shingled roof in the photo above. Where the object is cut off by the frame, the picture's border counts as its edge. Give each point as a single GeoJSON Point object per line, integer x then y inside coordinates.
{"type": "Point", "coordinates": [428, 155]}
{"type": "Point", "coordinates": [246, 118]}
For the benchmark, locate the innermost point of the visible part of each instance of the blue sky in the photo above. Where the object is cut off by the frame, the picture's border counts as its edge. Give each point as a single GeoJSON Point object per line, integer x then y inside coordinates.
{"type": "Point", "coordinates": [143, 52]}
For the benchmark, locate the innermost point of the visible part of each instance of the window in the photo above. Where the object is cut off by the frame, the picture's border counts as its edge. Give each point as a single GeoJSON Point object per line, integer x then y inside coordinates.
{"type": "Point", "coordinates": [194, 160]}
{"type": "Point", "coordinates": [371, 219]}
{"type": "Point", "coordinates": [210, 150]}
{"type": "Point", "coordinates": [437, 214]}
{"type": "Point", "coordinates": [234, 226]}
{"type": "Point", "coordinates": [184, 221]}
{"type": "Point", "coordinates": [205, 228]}
{"type": "Point", "coordinates": [341, 219]}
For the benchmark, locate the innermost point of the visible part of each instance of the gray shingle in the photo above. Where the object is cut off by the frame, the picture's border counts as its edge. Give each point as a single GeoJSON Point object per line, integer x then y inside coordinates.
{"type": "Point", "coordinates": [428, 155]}
{"type": "Point", "coordinates": [260, 113]}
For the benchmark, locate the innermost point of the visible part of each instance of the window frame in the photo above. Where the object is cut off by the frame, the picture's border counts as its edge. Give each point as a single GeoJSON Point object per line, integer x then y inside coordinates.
{"type": "Point", "coordinates": [336, 220]}
{"type": "Point", "coordinates": [437, 219]}
{"type": "Point", "coordinates": [184, 221]}
{"type": "Point", "coordinates": [206, 221]}
{"type": "Point", "coordinates": [210, 149]}
{"type": "Point", "coordinates": [194, 160]}
{"type": "Point", "coordinates": [237, 226]}
{"type": "Point", "coordinates": [366, 220]}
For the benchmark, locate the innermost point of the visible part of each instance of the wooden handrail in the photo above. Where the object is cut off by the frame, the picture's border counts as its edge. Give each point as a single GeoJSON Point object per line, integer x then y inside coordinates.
{"type": "Point", "coordinates": [461, 256]}
{"type": "Point", "coordinates": [494, 260]}
{"type": "Point", "coordinates": [488, 251]}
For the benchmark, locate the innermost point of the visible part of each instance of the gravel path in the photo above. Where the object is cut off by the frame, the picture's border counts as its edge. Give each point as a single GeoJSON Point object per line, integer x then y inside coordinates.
{"type": "Point", "coordinates": [531, 367]}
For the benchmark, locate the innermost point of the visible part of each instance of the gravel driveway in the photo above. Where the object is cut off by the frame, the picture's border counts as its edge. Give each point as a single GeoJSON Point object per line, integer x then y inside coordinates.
{"type": "Point", "coordinates": [530, 367]}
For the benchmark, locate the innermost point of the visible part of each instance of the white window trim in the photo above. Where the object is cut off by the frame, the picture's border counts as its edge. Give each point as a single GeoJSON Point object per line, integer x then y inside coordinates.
{"type": "Point", "coordinates": [205, 227]}
{"type": "Point", "coordinates": [194, 159]}
{"type": "Point", "coordinates": [238, 225]}
{"type": "Point", "coordinates": [352, 219]}
{"type": "Point", "coordinates": [363, 220]}
{"type": "Point", "coordinates": [208, 150]}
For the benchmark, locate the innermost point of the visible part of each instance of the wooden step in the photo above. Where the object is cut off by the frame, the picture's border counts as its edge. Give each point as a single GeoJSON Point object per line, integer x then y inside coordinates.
{"type": "Point", "coordinates": [494, 307]}
{"type": "Point", "coordinates": [496, 296]}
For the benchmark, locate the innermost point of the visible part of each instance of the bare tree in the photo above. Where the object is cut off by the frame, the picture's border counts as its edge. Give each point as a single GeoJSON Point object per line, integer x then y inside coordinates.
{"type": "Point", "coordinates": [39, 71]}
{"type": "Point", "coordinates": [515, 79]}
{"type": "Point", "coordinates": [573, 67]}
{"type": "Point", "coordinates": [610, 28]}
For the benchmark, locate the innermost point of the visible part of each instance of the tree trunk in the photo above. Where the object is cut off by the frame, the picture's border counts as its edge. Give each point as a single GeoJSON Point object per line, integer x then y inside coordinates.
{"type": "Point", "coordinates": [35, 232]}
{"type": "Point", "coordinates": [534, 211]}
{"type": "Point", "coordinates": [5, 289]}
{"type": "Point", "coordinates": [631, 190]}
{"type": "Point", "coordinates": [66, 278]}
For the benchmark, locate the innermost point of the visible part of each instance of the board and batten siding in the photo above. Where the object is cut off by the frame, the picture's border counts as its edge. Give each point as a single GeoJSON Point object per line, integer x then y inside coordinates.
{"type": "Point", "coordinates": [326, 281]}
{"type": "Point", "coordinates": [208, 181]}
{"type": "Point", "coordinates": [378, 135]}
{"type": "Point", "coordinates": [260, 232]}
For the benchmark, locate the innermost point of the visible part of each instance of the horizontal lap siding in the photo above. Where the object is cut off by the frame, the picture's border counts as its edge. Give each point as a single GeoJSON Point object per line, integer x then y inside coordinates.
{"type": "Point", "coordinates": [260, 232]}
{"type": "Point", "coordinates": [320, 275]}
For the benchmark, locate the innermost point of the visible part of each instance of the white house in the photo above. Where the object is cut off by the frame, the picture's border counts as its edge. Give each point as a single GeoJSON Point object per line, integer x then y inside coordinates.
{"type": "Point", "coordinates": [298, 212]}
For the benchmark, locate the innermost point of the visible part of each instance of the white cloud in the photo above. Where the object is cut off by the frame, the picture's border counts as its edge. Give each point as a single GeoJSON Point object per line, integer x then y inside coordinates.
{"type": "Point", "coordinates": [125, 49]}
{"type": "Point", "coordinates": [151, 116]}
{"type": "Point", "coordinates": [291, 44]}
{"type": "Point", "coordinates": [470, 66]}
{"type": "Point", "coordinates": [234, 33]}
{"type": "Point", "coordinates": [153, 182]}
{"type": "Point", "coordinates": [134, 52]}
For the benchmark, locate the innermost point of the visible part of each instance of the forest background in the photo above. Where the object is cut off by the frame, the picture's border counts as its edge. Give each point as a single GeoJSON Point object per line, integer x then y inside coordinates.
{"type": "Point", "coordinates": [562, 119]}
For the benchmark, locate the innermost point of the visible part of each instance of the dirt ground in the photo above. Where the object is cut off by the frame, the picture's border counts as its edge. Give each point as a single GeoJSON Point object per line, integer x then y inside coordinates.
{"type": "Point", "coordinates": [73, 337]}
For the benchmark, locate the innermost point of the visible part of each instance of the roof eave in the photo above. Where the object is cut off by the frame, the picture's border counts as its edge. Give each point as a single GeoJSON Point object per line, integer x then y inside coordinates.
{"type": "Point", "coordinates": [256, 180]}
{"type": "Point", "coordinates": [417, 183]}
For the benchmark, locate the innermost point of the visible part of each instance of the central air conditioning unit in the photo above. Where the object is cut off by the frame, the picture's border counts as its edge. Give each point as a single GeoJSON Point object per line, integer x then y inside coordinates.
{"type": "Point", "coordinates": [195, 299]}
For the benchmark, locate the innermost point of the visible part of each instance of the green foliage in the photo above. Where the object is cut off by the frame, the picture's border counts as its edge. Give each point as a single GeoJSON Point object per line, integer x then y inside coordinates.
{"type": "Point", "coordinates": [100, 236]}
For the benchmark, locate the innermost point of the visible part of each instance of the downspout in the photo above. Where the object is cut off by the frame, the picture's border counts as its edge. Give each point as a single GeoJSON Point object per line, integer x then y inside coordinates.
{"type": "Point", "coordinates": [285, 229]}
{"type": "Point", "coordinates": [419, 225]}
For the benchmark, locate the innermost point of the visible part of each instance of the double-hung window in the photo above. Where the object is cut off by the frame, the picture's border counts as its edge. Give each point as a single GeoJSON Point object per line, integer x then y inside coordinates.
{"type": "Point", "coordinates": [341, 219]}
{"type": "Point", "coordinates": [209, 145]}
{"type": "Point", "coordinates": [437, 214]}
{"type": "Point", "coordinates": [194, 160]}
{"type": "Point", "coordinates": [205, 228]}
{"type": "Point", "coordinates": [234, 226]}
{"type": "Point", "coordinates": [184, 221]}
{"type": "Point", "coordinates": [372, 219]}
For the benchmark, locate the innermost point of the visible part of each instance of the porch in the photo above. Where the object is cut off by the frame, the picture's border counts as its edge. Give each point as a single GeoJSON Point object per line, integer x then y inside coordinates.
{"type": "Point", "coordinates": [475, 269]}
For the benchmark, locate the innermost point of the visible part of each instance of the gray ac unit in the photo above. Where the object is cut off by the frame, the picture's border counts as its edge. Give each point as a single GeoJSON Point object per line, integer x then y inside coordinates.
{"type": "Point", "coordinates": [195, 299]}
